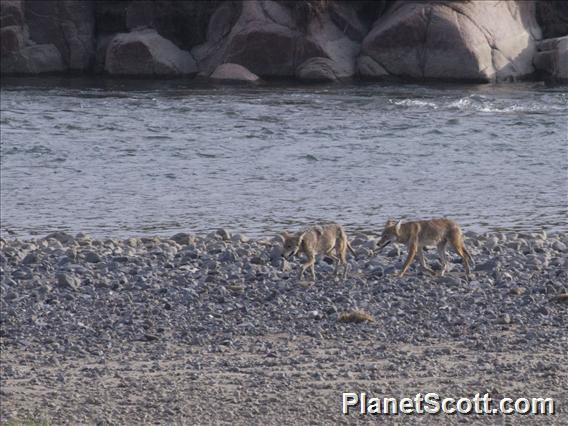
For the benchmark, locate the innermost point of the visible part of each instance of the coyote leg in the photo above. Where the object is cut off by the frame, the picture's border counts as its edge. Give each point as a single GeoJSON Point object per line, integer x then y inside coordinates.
{"type": "Point", "coordinates": [442, 253]}
{"type": "Point", "coordinates": [330, 254]}
{"type": "Point", "coordinates": [343, 257]}
{"type": "Point", "coordinates": [463, 253]}
{"type": "Point", "coordinates": [420, 254]}
{"type": "Point", "coordinates": [468, 261]}
{"type": "Point", "coordinates": [412, 248]}
{"type": "Point", "coordinates": [309, 264]}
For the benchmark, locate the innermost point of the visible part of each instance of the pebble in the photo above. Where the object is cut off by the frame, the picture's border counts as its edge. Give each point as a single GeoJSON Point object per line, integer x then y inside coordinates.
{"type": "Point", "coordinates": [30, 258]}
{"type": "Point", "coordinates": [240, 238]}
{"type": "Point", "coordinates": [147, 295]}
{"type": "Point", "coordinates": [491, 243]}
{"type": "Point", "coordinates": [224, 234]}
{"type": "Point", "coordinates": [519, 291]}
{"type": "Point", "coordinates": [68, 281]}
{"type": "Point", "coordinates": [61, 237]}
{"type": "Point", "coordinates": [92, 257]}
{"type": "Point", "coordinates": [489, 265]}
{"type": "Point", "coordinates": [182, 238]}
{"type": "Point", "coordinates": [394, 251]}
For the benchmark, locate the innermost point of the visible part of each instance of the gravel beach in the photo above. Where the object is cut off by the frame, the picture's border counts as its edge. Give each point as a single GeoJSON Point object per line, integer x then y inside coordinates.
{"type": "Point", "coordinates": [217, 329]}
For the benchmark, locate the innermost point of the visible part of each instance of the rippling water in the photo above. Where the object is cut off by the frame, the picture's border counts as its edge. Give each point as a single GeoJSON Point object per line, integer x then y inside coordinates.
{"type": "Point", "coordinates": [121, 158]}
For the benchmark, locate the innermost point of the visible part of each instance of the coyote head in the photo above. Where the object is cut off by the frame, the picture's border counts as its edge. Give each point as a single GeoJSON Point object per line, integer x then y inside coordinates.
{"type": "Point", "coordinates": [390, 233]}
{"type": "Point", "coordinates": [291, 244]}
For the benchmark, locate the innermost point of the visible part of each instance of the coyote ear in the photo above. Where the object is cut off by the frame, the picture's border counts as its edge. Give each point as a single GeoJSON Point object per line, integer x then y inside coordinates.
{"type": "Point", "coordinates": [397, 226]}
{"type": "Point", "coordinates": [285, 235]}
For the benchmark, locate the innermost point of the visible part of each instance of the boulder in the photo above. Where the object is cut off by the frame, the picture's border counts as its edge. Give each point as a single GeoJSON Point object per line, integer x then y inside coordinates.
{"type": "Point", "coordinates": [69, 25]}
{"type": "Point", "coordinates": [145, 52]}
{"type": "Point", "coordinates": [551, 59]}
{"type": "Point", "coordinates": [184, 23]}
{"type": "Point", "coordinates": [211, 54]}
{"type": "Point", "coordinates": [552, 17]}
{"type": "Point", "coordinates": [470, 41]}
{"type": "Point", "coordinates": [270, 40]}
{"type": "Point", "coordinates": [264, 40]}
{"type": "Point", "coordinates": [183, 238]}
{"type": "Point", "coordinates": [13, 36]}
{"type": "Point", "coordinates": [41, 58]}
{"type": "Point", "coordinates": [233, 73]}
{"type": "Point", "coordinates": [339, 50]}
{"type": "Point", "coordinates": [317, 70]}
{"type": "Point", "coordinates": [11, 39]}
{"type": "Point", "coordinates": [61, 236]}
{"type": "Point", "coordinates": [103, 41]}
{"type": "Point", "coordinates": [11, 13]}
{"type": "Point", "coordinates": [267, 50]}
{"type": "Point", "coordinates": [222, 22]}
{"type": "Point", "coordinates": [346, 18]}
{"type": "Point", "coordinates": [368, 68]}
{"type": "Point", "coordinates": [68, 281]}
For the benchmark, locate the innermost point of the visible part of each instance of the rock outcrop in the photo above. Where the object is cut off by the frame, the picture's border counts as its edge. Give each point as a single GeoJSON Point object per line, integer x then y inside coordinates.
{"type": "Point", "coordinates": [552, 59]}
{"type": "Point", "coordinates": [145, 52]}
{"type": "Point", "coordinates": [210, 54]}
{"type": "Point", "coordinates": [67, 24]}
{"type": "Point", "coordinates": [552, 16]}
{"type": "Point", "coordinates": [317, 69]}
{"type": "Point", "coordinates": [11, 39]}
{"type": "Point", "coordinates": [19, 54]}
{"type": "Point", "coordinates": [338, 34]}
{"type": "Point", "coordinates": [47, 36]}
{"type": "Point", "coordinates": [182, 22]}
{"type": "Point", "coordinates": [266, 40]}
{"type": "Point", "coordinates": [42, 58]}
{"type": "Point", "coordinates": [479, 41]}
{"type": "Point", "coordinates": [310, 40]}
{"type": "Point", "coordinates": [11, 13]}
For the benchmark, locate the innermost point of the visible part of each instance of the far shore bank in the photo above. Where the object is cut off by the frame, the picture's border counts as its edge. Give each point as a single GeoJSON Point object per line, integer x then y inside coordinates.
{"type": "Point", "coordinates": [309, 40]}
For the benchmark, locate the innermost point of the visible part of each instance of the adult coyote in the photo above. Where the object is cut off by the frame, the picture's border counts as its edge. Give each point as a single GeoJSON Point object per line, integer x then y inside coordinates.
{"type": "Point", "coordinates": [319, 239]}
{"type": "Point", "coordinates": [422, 233]}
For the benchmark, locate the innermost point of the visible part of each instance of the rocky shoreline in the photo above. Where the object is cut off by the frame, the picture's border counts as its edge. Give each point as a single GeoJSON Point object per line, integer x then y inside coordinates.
{"type": "Point", "coordinates": [308, 40]}
{"type": "Point", "coordinates": [217, 328]}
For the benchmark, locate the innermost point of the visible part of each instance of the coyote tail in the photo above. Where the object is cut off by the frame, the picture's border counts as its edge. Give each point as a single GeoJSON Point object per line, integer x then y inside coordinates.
{"type": "Point", "coordinates": [300, 241]}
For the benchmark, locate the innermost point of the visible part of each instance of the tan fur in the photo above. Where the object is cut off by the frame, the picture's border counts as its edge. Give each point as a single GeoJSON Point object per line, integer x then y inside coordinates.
{"type": "Point", "coordinates": [357, 315]}
{"type": "Point", "coordinates": [319, 239]}
{"type": "Point", "coordinates": [416, 235]}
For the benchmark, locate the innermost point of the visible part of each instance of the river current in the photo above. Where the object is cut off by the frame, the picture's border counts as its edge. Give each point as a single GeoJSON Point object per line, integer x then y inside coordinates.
{"type": "Point", "coordinates": [121, 158]}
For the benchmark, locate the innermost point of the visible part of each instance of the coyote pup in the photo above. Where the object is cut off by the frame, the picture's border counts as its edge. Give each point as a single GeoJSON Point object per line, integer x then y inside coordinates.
{"type": "Point", "coordinates": [319, 239]}
{"type": "Point", "coordinates": [422, 233]}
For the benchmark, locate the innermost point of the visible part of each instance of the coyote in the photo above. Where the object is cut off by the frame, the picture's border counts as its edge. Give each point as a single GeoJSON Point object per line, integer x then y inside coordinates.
{"type": "Point", "coordinates": [319, 239]}
{"type": "Point", "coordinates": [422, 233]}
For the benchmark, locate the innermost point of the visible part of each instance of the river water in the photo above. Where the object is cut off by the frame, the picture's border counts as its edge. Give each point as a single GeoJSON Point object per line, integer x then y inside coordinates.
{"type": "Point", "coordinates": [121, 158]}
